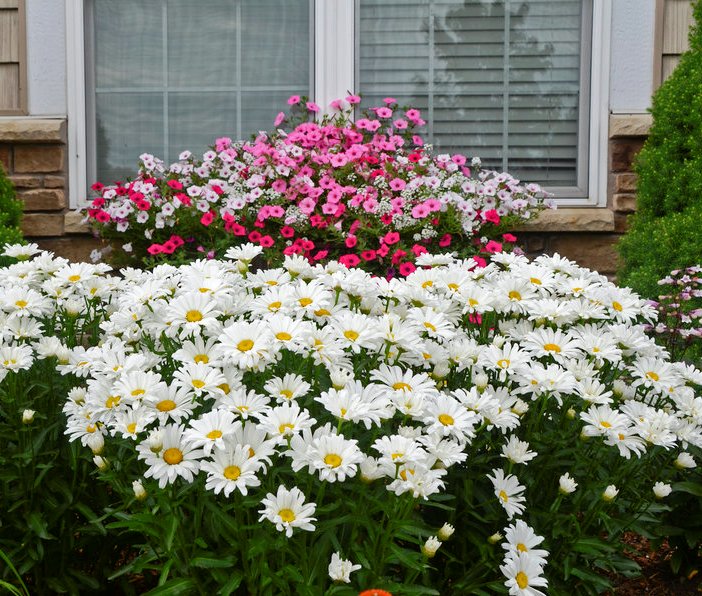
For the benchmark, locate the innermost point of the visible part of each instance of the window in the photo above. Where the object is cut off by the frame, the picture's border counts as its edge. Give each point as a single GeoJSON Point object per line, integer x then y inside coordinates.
{"type": "Point", "coordinates": [168, 75]}
{"type": "Point", "coordinates": [510, 81]}
{"type": "Point", "coordinates": [500, 79]}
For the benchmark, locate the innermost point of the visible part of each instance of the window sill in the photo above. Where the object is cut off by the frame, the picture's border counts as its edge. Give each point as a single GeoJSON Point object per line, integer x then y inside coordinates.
{"type": "Point", "coordinates": [32, 130]}
{"type": "Point", "coordinates": [571, 220]}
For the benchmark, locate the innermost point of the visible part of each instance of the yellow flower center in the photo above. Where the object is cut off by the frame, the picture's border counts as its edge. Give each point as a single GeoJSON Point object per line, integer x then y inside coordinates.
{"type": "Point", "coordinates": [273, 306]}
{"type": "Point", "coordinates": [446, 420]}
{"type": "Point", "coordinates": [429, 326]}
{"type": "Point", "coordinates": [522, 580]}
{"type": "Point", "coordinates": [403, 473]}
{"type": "Point", "coordinates": [197, 383]}
{"type": "Point", "coordinates": [503, 495]}
{"type": "Point", "coordinates": [202, 359]}
{"type": "Point", "coordinates": [653, 376]}
{"type": "Point", "coordinates": [535, 280]}
{"type": "Point", "coordinates": [232, 472]}
{"type": "Point", "coordinates": [453, 287]}
{"type": "Point", "coordinates": [322, 312]}
{"type": "Point", "coordinates": [213, 435]}
{"type": "Point", "coordinates": [616, 306]}
{"type": "Point", "coordinates": [283, 336]}
{"type": "Point", "coordinates": [173, 456]}
{"type": "Point", "coordinates": [112, 401]}
{"type": "Point", "coordinates": [138, 392]}
{"type": "Point", "coordinates": [287, 515]}
{"type": "Point", "coordinates": [503, 363]}
{"type": "Point", "coordinates": [203, 290]}
{"type": "Point", "coordinates": [91, 428]}
{"type": "Point", "coordinates": [284, 427]}
{"type": "Point", "coordinates": [401, 386]}
{"type": "Point", "coordinates": [21, 303]}
{"type": "Point", "coordinates": [514, 295]}
{"type": "Point", "coordinates": [74, 278]}
{"type": "Point", "coordinates": [245, 345]}
{"type": "Point", "coordinates": [286, 393]}
{"type": "Point", "coordinates": [397, 455]}
{"type": "Point", "coordinates": [332, 460]}
{"type": "Point", "coordinates": [522, 548]}
{"type": "Point", "coordinates": [251, 453]}
{"type": "Point", "coordinates": [224, 387]}
{"type": "Point", "coordinates": [552, 348]}
{"type": "Point", "coordinates": [304, 302]}
{"type": "Point", "coordinates": [166, 405]}
{"type": "Point", "coordinates": [605, 424]}
{"type": "Point", "coordinates": [472, 302]}
{"type": "Point", "coordinates": [428, 284]}
{"type": "Point", "coordinates": [351, 335]}
{"type": "Point", "coordinates": [577, 290]}
{"type": "Point", "coordinates": [131, 428]}
{"type": "Point", "coordinates": [621, 436]}
{"type": "Point", "coordinates": [193, 316]}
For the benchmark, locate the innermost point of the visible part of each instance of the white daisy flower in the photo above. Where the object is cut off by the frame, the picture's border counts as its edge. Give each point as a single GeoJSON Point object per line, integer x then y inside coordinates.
{"type": "Point", "coordinates": [287, 510]}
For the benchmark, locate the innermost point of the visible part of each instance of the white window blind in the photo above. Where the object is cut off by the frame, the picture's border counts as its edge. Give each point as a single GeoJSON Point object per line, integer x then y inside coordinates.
{"type": "Point", "coordinates": [168, 75]}
{"type": "Point", "coordinates": [499, 79]}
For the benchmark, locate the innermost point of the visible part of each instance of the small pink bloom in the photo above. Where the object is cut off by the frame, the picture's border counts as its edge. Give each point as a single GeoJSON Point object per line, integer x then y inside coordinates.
{"type": "Point", "coordinates": [312, 107]}
{"type": "Point", "coordinates": [350, 241]}
{"type": "Point", "coordinates": [391, 238]}
{"type": "Point", "coordinates": [389, 100]}
{"type": "Point", "coordinates": [492, 247]}
{"type": "Point", "coordinates": [154, 249]}
{"type": "Point", "coordinates": [368, 255]}
{"type": "Point", "coordinates": [320, 255]}
{"type": "Point", "coordinates": [287, 232]}
{"type": "Point", "coordinates": [418, 249]}
{"type": "Point", "coordinates": [238, 230]}
{"type": "Point", "coordinates": [397, 184]}
{"type": "Point", "coordinates": [279, 185]}
{"type": "Point", "coordinates": [175, 184]}
{"type": "Point", "coordinates": [383, 112]}
{"type": "Point", "coordinates": [222, 143]}
{"type": "Point", "coordinates": [400, 124]}
{"type": "Point", "coordinates": [350, 260]}
{"type": "Point", "coordinates": [480, 262]}
{"type": "Point", "coordinates": [102, 216]}
{"type": "Point", "coordinates": [509, 238]}
{"type": "Point", "coordinates": [397, 256]}
{"type": "Point", "coordinates": [353, 99]}
{"type": "Point", "coordinates": [413, 114]}
{"type": "Point", "coordinates": [97, 187]}
{"type": "Point", "coordinates": [207, 218]}
{"type": "Point", "coordinates": [445, 241]}
{"type": "Point", "coordinates": [266, 241]}
{"type": "Point", "coordinates": [420, 211]}
{"type": "Point", "coordinates": [336, 105]}
{"type": "Point", "coordinates": [354, 226]}
{"type": "Point", "coordinates": [458, 159]}
{"type": "Point", "coordinates": [406, 268]}
{"type": "Point", "coordinates": [255, 236]}
{"type": "Point", "coordinates": [293, 100]}
{"type": "Point", "coordinates": [307, 205]}
{"type": "Point", "coordinates": [417, 140]}
{"type": "Point", "coordinates": [383, 250]}
{"type": "Point", "coordinates": [279, 119]}
{"type": "Point", "coordinates": [491, 216]}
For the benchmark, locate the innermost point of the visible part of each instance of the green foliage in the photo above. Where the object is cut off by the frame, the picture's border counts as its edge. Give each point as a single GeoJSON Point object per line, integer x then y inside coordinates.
{"type": "Point", "coordinates": [654, 246]}
{"type": "Point", "coordinates": [670, 178]}
{"type": "Point", "coordinates": [10, 214]}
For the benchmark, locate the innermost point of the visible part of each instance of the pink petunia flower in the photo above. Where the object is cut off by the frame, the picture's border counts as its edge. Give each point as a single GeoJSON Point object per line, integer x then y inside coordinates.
{"type": "Point", "coordinates": [353, 99]}
{"type": "Point", "coordinates": [293, 100]}
{"type": "Point", "coordinates": [312, 107]}
{"type": "Point", "coordinates": [445, 241]}
{"type": "Point", "coordinates": [391, 238]}
{"type": "Point", "coordinates": [207, 218]}
{"type": "Point", "coordinates": [509, 237]}
{"type": "Point", "coordinates": [493, 247]}
{"type": "Point", "coordinates": [155, 249]}
{"type": "Point", "coordinates": [350, 260]}
{"type": "Point", "coordinates": [397, 184]}
{"type": "Point", "coordinates": [406, 268]}
{"type": "Point", "coordinates": [279, 119]}
{"type": "Point", "coordinates": [383, 112]}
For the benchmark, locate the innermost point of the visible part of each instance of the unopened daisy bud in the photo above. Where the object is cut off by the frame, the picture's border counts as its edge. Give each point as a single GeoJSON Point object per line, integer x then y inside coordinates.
{"type": "Point", "coordinates": [495, 538]}
{"type": "Point", "coordinates": [139, 490]}
{"type": "Point", "coordinates": [609, 493]}
{"type": "Point", "coordinates": [101, 463]}
{"type": "Point", "coordinates": [520, 407]}
{"type": "Point", "coordinates": [96, 442]}
{"type": "Point", "coordinates": [566, 484]}
{"type": "Point", "coordinates": [684, 460]}
{"type": "Point", "coordinates": [441, 369]}
{"type": "Point", "coordinates": [570, 413]}
{"type": "Point", "coordinates": [339, 378]}
{"type": "Point", "coordinates": [662, 490]}
{"type": "Point", "coordinates": [431, 546]}
{"type": "Point", "coordinates": [370, 470]}
{"type": "Point", "coordinates": [445, 532]}
{"type": "Point", "coordinates": [77, 395]}
{"type": "Point", "coordinates": [498, 341]}
{"type": "Point", "coordinates": [155, 441]}
{"type": "Point", "coordinates": [481, 381]}
{"type": "Point", "coordinates": [28, 416]}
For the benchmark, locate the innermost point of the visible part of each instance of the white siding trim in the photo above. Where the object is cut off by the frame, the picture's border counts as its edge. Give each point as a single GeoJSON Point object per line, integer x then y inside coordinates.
{"type": "Point", "coordinates": [75, 87]}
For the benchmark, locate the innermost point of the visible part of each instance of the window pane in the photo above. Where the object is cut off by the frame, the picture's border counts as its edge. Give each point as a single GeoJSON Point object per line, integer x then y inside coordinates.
{"type": "Point", "coordinates": [499, 79]}
{"type": "Point", "coordinates": [169, 75]}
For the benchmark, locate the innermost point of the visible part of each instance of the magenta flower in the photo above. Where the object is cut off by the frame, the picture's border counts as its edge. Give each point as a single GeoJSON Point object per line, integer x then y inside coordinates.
{"type": "Point", "coordinates": [293, 100]}
{"type": "Point", "coordinates": [279, 119]}
{"type": "Point", "coordinates": [353, 99]}
{"type": "Point", "coordinates": [312, 107]}
{"type": "Point", "coordinates": [397, 184]}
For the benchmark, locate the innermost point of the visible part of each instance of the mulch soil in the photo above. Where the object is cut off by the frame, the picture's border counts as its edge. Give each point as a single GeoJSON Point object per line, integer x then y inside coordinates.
{"type": "Point", "coordinates": [656, 579]}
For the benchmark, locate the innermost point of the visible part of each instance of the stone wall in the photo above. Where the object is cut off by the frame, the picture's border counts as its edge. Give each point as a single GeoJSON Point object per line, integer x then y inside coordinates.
{"type": "Point", "coordinates": [33, 151]}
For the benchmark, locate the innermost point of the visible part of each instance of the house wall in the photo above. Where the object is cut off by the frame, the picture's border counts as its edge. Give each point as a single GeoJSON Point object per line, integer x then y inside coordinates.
{"type": "Point", "coordinates": [647, 36]}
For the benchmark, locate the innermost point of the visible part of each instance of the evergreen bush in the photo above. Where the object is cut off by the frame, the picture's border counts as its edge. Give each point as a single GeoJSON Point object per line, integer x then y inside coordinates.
{"type": "Point", "coordinates": [664, 231]}
{"type": "Point", "coordinates": [10, 213]}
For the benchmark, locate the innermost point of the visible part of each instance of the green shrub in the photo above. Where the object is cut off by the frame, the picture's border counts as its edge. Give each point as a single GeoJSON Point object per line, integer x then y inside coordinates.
{"type": "Point", "coordinates": [664, 229]}
{"type": "Point", "coordinates": [10, 214]}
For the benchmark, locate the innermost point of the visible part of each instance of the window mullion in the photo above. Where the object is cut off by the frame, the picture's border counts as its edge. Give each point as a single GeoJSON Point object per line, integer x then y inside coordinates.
{"type": "Point", "coordinates": [505, 86]}
{"type": "Point", "coordinates": [164, 49]}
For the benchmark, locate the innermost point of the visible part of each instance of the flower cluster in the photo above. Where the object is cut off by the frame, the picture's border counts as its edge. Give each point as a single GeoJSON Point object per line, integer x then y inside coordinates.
{"type": "Point", "coordinates": [268, 384]}
{"type": "Point", "coordinates": [366, 192]}
{"type": "Point", "coordinates": [680, 310]}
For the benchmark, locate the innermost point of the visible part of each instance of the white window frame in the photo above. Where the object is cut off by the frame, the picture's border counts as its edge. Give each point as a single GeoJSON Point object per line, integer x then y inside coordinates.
{"type": "Point", "coordinates": [334, 77]}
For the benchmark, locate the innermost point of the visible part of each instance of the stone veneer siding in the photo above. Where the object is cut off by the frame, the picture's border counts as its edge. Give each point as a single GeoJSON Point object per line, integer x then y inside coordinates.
{"type": "Point", "coordinates": [33, 152]}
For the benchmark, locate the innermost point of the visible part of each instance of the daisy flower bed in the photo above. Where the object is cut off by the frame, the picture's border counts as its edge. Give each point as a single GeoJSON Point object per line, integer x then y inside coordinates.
{"type": "Point", "coordinates": [317, 430]}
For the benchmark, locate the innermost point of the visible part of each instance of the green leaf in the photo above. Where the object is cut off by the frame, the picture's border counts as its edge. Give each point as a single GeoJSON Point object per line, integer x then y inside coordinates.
{"type": "Point", "coordinates": [39, 526]}
{"type": "Point", "coordinates": [174, 587]}
{"type": "Point", "coordinates": [232, 584]}
{"type": "Point", "coordinates": [693, 488]}
{"type": "Point", "coordinates": [211, 563]}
